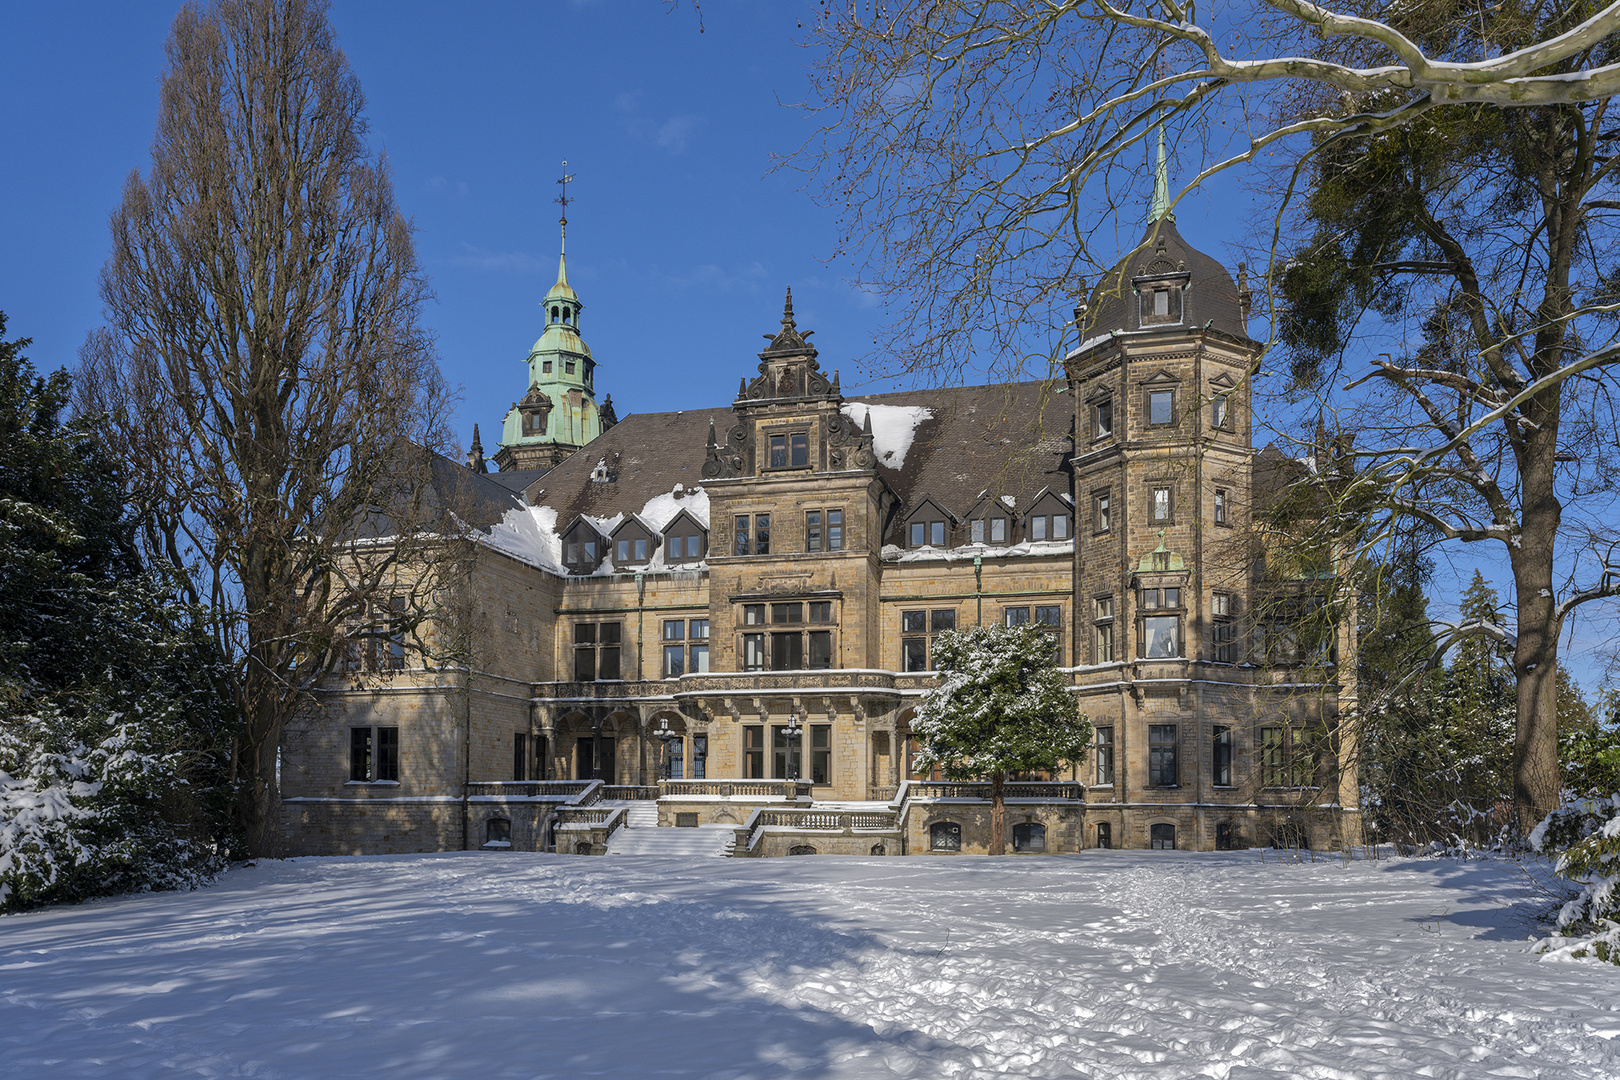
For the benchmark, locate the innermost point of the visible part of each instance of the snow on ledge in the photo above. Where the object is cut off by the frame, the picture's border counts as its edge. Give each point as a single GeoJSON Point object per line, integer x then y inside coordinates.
{"type": "Point", "coordinates": [891, 553]}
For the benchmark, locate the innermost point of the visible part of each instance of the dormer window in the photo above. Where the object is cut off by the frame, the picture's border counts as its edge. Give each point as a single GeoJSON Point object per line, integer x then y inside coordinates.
{"type": "Point", "coordinates": [1050, 518]}
{"type": "Point", "coordinates": [1161, 303]}
{"type": "Point", "coordinates": [990, 530]}
{"type": "Point", "coordinates": [582, 548]}
{"type": "Point", "coordinates": [685, 540]}
{"type": "Point", "coordinates": [929, 525]}
{"type": "Point", "coordinates": [634, 550]}
{"type": "Point", "coordinates": [927, 534]}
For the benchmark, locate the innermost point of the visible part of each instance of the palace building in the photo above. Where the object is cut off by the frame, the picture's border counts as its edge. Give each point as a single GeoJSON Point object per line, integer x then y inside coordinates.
{"type": "Point", "coordinates": [722, 618]}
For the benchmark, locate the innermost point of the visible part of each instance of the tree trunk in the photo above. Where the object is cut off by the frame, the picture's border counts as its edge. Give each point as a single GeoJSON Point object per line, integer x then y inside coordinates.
{"type": "Point", "coordinates": [1535, 667]}
{"type": "Point", "coordinates": [998, 814]}
{"type": "Point", "coordinates": [259, 796]}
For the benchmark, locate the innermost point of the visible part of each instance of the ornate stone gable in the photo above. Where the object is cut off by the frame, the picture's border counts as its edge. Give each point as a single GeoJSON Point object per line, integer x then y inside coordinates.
{"type": "Point", "coordinates": [790, 381]}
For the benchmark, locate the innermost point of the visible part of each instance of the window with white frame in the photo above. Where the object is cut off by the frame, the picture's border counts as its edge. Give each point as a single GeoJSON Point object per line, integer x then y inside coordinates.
{"type": "Point", "coordinates": [1162, 504]}
{"type": "Point", "coordinates": [1161, 407]}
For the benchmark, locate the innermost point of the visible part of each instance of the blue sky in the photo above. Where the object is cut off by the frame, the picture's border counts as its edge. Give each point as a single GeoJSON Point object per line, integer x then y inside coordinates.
{"type": "Point", "coordinates": [682, 238]}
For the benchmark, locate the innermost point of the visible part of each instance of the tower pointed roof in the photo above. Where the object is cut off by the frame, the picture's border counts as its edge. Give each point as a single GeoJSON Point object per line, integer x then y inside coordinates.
{"type": "Point", "coordinates": [562, 290]}
{"type": "Point", "coordinates": [1159, 208]}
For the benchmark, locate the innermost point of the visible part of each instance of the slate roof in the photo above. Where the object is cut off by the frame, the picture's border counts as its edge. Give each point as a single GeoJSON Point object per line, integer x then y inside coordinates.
{"type": "Point", "coordinates": [1212, 296]}
{"type": "Point", "coordinates": [1007, 439]}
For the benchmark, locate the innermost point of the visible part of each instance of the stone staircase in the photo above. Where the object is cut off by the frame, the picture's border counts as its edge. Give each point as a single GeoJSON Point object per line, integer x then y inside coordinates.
{"type": "Point", "coordinates": [642, 836]}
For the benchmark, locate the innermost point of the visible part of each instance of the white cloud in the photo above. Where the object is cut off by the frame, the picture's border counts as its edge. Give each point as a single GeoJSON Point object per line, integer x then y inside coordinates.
{"type": "Point", "coordinates": [713, 278]}
{"type": "Point", "coordinates": [441, 186]}
{"type": "Point", "coordinates": [499, 262]}
{"type": "Point", "coordinates": [675, 133]}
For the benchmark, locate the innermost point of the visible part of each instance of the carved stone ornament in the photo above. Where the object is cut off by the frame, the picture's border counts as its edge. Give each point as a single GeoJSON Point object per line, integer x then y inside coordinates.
{"type": "Point", "coordinates": [732, 459]}
{"type": "Point", "coordinates": [848, 447]}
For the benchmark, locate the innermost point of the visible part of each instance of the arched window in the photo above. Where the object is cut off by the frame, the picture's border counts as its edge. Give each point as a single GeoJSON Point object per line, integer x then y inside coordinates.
{"type": "Point", "coordinates": [1162, 837]}
{"type": "Point", "coordinates": [945, 836]}
{"type": "Point", "coordinates": [498, 830]}
{"type": "Point", "coordinates": [556, 314]}
{"type": "Point", "coordinates": [879, 849]}
{"type": "Point", "coordinates": [1029, 836]}
{"type": "Point", "coordinates": [566, 314]}
{"type": "Point", "coordinates": [801, 849]}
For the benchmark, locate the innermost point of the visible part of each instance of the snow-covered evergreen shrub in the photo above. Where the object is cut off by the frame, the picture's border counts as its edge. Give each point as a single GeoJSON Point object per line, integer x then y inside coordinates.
{"type": "Point", "coordinates": [1001, 706]}
{"type": "Point", "coordinates": [1585, 836]}
{"type": "Point", "coordinates": [114, 740]}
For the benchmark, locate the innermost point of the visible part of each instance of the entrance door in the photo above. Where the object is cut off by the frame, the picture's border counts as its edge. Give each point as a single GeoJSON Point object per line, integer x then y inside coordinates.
{"type": "Point", "coordinates": [585, 768]}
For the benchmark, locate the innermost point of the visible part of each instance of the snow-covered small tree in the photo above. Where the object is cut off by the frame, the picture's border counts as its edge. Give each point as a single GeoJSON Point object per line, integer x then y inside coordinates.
{"type": "Point", "coordinates": [1584, 835]}
{"type": "Point", "coordinates": [1001, 706]}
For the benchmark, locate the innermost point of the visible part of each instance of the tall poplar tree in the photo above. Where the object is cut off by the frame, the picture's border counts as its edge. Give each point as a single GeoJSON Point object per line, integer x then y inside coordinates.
{"type": "Point", "coordinates": [268, 380]}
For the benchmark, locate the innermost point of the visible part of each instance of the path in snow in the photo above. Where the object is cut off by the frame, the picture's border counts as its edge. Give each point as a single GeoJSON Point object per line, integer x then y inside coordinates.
{"type": "Point", "coordinates": [1106, 964]}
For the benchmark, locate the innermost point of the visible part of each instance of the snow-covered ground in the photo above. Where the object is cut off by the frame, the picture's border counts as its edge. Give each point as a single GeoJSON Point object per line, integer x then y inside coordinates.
{"type": "Point", "coordinates": [1105, 964]}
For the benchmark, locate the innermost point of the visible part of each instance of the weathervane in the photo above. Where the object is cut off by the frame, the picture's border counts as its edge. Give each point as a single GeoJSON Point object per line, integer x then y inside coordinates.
{"type": "Point", "coordinates": [563, 201]}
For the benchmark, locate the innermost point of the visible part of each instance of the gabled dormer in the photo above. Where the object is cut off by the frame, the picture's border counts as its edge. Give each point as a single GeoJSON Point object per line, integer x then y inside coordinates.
{"type": "Point", "coordinates": [1050, 516]}
{"type": "Point", "coordinates": [686, 539]}
{"type": "Point", "coordinates": [634, 542]}
{"type": "Point", "coordinates": [582, 547]}
{"type": "Point", "coordinates": [929, 524]}
{"type": "Point", "coordinates": [991, 521]}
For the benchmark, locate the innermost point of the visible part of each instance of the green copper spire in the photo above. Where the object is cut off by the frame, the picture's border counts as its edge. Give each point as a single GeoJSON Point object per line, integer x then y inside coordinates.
{"type": "Point", "coordinates": [558, 413]}
{"type": "Point", "coordinates": [562, 222]}
{"type": "Point", "coordinates": [1159, 210]}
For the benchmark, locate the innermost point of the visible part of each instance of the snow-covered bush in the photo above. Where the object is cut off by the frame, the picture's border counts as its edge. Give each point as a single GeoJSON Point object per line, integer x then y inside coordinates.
{"type": "Point", "coordinates": [114, 738]}
{"type": "Point", "coordinates": [115, 813]}
{"type": "Point", "coordinates": [1584, 834]}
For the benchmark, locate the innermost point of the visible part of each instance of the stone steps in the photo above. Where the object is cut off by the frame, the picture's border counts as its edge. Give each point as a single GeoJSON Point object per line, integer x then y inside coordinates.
{"type": "Point", "coordinates": [705, 840]}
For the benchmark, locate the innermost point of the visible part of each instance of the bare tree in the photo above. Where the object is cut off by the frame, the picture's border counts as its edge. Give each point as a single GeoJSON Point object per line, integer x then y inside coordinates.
{"type": "Point", "coordinates": [264, 369]}
{"type": "Point", "coordinates": [981, 148]}
{"type": "Point", "coordinates": [982, 151]}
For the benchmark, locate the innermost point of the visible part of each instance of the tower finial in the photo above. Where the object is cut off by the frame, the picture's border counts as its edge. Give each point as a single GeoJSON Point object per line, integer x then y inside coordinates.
{"type": "Point", "coordinates": [787, 310]}
{"type": "Point", "coordinates": [563, 200]}
{"type": "Point", "coordinates": [1160, 208]}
